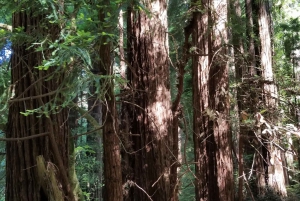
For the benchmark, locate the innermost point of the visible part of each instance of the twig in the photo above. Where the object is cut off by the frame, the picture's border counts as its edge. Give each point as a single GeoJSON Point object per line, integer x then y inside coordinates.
{"type": "Point", "coordinates": [24, 138]}
{"type": "Point", "coordinates": [143, 191]}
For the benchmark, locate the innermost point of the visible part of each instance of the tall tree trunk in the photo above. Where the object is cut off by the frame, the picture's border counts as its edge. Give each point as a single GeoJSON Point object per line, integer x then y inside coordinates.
{"type": "Point", "coordinates": [201, 39]}
{"type": "Point", "coordinates": [240, 71]}
{"type": "Point", "coordinates": [274, 166]}
{"type": "Point", "coordinates": [111, 143]}
{"type": "Point", "coordinates": [26, 178]}
{"type": "Point", "coordinates": [219, 100]}
{"type": "Point", "coordinates": [211, 104]}
{"type": "Point", "coordinates": [254, 97]}
{"type": "Point", "coordinates": [250, 36]}
{"type": "Point", "coordinates": [151, 114]}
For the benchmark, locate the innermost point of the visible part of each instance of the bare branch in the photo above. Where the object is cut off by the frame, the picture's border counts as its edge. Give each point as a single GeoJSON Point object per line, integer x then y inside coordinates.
{"type": "Point", "coordinates": [36, 97]}
{"type": "Point", "coordinates": [24, 138]}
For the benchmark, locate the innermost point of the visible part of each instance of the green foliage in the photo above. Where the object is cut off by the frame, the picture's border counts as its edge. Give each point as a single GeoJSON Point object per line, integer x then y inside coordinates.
{"type": "Point", "coordinates": [293, 192]}
{"type": "Point", "coordinates": [269, 195]}
{"type": "Point", "coordinates": [75, 54]}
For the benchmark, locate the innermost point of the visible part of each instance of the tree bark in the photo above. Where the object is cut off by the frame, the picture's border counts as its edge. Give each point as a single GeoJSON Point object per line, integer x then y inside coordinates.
{"type": "Point", "coordinates": [274, 166]}
{"type": "Point", "coordinates": [23, 181]}
{"type": "Point", "coordinates": [201, 39]}
{"type": "Point", "coordinates": [151, 105]}
{"type": "Point", "coordinates": [111, 143]}
{"type": "Point", "coordinates": [250, 36]}
{"type": "Point", "coordinates": [212, 138]}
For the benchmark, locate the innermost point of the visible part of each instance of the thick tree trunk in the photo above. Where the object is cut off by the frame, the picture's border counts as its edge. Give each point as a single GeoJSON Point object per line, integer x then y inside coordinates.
{"type": "Point", "coordinates": [212, 137]}
{"type": "Point", "coordinates": [151, 114]}
{"type": "Point", "coordinates": [23, 180]}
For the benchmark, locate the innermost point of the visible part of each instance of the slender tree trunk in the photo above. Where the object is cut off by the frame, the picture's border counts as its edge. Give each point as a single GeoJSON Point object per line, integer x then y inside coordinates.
{"type": "Point", "coordinates": [177, 114]}
{"type": "Point", "coordinates": [201, 38]}
{"type": "Point", "coordinates": [250, 36]}
{"type": "Point", "coordinates": [252, 103]}
{"type": "Point", "coordinates": [26, 176]}
{"type": "Point", "coordinates": [240, 72]}
{"type": "Point", "coordinates": [72, 121]}
{"type": "Point", "coordinates": [274, 167]}
{"type": "Point", "coordinates": [111, 143]}
{"type": "Point", "coordinates": [95, 139]}
{"type": "Point", "coordinates": [151, 114]}
{"type": "Point", "coordinates": [219, 100]}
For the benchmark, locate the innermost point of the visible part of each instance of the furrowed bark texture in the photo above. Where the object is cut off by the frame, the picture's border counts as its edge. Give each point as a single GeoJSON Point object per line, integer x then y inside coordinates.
{"type": "Point", "coordinates": [22, 180]}
{"type": "Point", "coordinates": [212, 137]}
{"type": "Point", "coordinates": [202, 39]}
{"type": "Point", "coordinates": [151, 111]}
{"type": "Point", "coordinates": [274, 167]}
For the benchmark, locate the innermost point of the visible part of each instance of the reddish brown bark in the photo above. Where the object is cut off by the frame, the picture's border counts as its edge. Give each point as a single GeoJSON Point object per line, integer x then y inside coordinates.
{"type": "Point", "coordinates": [274, 168]}
{"type": "Point", "coordinates": [111, 143]}
{"type": "Point", "coordinates": [22, 180]}
{"type": "Point", "coordinates": [212, 138]}
{"type": "Point", "coordinates": [151, 109]}
{"type": "Point", "coordinates": [202, 40]}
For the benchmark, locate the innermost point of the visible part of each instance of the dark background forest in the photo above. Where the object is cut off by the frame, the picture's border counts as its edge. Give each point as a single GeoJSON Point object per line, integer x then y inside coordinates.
{"type": "Point", "coordinates": [159, 100]}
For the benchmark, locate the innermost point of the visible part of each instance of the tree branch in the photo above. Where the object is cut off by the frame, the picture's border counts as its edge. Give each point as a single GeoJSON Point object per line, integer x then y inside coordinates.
{"type": "Point", "coordinates": [24, 138]}
{"type": "Point", "coordinates": [36, 97]}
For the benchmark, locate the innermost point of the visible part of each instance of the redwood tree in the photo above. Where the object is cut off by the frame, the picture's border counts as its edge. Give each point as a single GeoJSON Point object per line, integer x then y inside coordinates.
{"type": "Point", "coordinates": [273, 165]}
{"type": "Point", "coordinates": [111, 143]}
{"type": "Point", "coordinates": [150, 112]}
{"type": "Point", "coordinates": [36, 168]}
{"type": "Point", "coordinates": [212, 139]}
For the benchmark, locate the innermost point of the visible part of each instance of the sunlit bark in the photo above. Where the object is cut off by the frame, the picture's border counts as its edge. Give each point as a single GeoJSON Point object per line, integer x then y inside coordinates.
{"type": "Point", "coordinates": [212, 137]}
{"type": "Point", "coordinates": [151, 107]}
{"type": "Point", "coordinates": [219, 100]}
{"type": "Point", "coordinates": [201, 64]}
{"type": "Point", "coordinates": [274, 165]}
